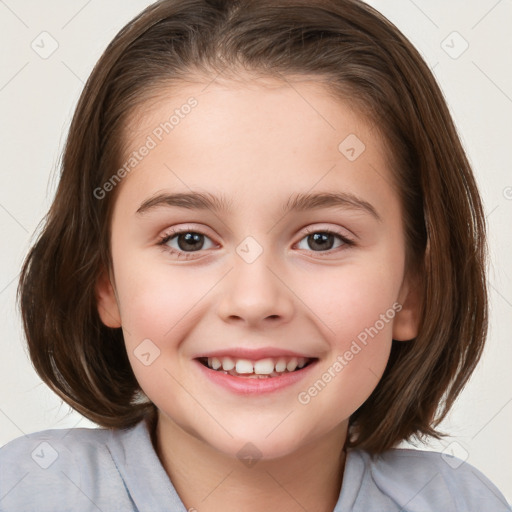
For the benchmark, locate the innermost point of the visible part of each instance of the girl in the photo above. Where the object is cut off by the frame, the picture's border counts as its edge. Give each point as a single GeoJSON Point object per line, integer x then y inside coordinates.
{"type": "Point", "coordinates": [262, 270]}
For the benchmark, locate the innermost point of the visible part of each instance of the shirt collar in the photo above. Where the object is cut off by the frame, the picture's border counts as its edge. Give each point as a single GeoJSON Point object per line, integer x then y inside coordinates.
{"type": "Point", "coordinates": [141, 470]}
{"type": "Point", "coordinates": [150, 487]}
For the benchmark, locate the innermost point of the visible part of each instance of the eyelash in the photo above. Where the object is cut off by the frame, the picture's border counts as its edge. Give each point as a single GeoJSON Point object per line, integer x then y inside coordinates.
{"type": "Point", "coordinates": [188, 255]}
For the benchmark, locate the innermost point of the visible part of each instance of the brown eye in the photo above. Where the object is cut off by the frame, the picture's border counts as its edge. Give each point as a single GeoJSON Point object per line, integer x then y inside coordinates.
{"type": "Point", "coordinates": [323, 241]}
{"type": "Point", "coordinates": [186, 241]}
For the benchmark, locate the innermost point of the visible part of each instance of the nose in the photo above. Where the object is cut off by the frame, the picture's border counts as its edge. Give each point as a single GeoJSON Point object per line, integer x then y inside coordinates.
{"type": "Point", "coordinates": [255, 294]}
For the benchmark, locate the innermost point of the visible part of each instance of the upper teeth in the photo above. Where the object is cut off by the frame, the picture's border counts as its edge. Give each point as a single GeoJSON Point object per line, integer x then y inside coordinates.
{"type": "Point", "coordinates": [261, 367]}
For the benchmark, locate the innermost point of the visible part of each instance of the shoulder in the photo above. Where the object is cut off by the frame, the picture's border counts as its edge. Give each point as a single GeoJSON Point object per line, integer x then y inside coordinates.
{"type": "Point", "coordinates": [60, 468]}
{"type": "Point", "coordinates": [432, 481]}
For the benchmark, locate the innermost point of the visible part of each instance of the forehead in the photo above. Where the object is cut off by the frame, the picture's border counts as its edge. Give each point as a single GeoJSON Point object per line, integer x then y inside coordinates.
{"type": "Point", "coordinates": [251, 137]}
{"type": "Point", "coordinates": [300, 107]}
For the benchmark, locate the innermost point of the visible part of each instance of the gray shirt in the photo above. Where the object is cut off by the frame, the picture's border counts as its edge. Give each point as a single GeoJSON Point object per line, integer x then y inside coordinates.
{"type": "Point", "coordinates": [85, 469]}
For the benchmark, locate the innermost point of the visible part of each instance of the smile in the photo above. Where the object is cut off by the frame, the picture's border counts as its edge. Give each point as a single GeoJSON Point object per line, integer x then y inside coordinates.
{"type": "Point", "coordinates": [243, 378]}
{"type": "Point", "coordinates": [260, 369]}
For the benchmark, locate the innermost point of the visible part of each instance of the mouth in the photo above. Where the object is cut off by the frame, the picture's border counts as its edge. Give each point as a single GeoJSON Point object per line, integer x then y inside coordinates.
{"type": "Point", "coordinates": [270, 367]}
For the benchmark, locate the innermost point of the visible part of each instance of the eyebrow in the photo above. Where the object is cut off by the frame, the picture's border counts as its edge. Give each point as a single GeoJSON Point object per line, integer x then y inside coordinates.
{"type": "Point", "coordinates": [296, 202]}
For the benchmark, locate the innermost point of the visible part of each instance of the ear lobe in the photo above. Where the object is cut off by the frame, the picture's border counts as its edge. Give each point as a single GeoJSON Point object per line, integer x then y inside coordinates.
{"type": "Point", "coordinates": [407, 320]}
{"type": "Point", "coordinates": [106, 301]}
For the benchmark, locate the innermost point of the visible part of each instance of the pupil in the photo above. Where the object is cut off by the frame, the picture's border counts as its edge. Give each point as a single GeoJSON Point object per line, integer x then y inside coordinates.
{"type": "Point", "coordinates": [190, 239]}
{"type": "Point", "coordinates": [320, 239]}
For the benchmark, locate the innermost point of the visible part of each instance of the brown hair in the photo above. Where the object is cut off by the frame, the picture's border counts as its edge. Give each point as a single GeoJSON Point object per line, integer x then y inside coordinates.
{"type": "Point", "coordinates": [359, 55]}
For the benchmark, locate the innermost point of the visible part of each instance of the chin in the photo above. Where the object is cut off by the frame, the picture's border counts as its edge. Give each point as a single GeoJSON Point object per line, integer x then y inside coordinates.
{"type": "Point", "coordinates": [254, 443]}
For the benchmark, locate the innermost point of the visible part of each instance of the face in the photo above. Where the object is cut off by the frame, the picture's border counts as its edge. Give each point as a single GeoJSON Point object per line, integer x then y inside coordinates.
{"type": "Point", "coordinates": [261, 274]}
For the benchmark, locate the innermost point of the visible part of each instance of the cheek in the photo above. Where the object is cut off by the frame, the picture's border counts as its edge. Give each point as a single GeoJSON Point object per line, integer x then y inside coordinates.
{"type": "Point", "coordinates": [359, 351]}
{"type": "Point", "coordinates": [162, 303]}
{"type": "Point", "coordinates": [351, 298]}
{"type": "Point", "coordinates": [355, 307]}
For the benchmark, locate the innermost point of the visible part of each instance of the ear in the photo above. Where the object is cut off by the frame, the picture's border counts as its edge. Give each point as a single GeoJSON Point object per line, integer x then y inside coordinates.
{"type": "Point", "coordinates": [407, 320]}
{"type": "Point", "coordinates": [106, 301]}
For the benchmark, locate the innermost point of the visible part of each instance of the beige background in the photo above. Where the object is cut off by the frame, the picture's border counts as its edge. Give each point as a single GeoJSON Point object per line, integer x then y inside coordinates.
{"type": "Point", "coordinates": [37, 98]}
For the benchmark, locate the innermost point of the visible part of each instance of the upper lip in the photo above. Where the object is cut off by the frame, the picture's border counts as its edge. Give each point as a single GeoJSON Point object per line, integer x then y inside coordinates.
{"type": "Point", "coordinates": [254, 354]}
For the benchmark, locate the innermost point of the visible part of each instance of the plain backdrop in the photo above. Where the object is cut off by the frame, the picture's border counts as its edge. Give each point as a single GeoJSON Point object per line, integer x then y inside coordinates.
{"type": "Point", "coordinates": [467, 45]}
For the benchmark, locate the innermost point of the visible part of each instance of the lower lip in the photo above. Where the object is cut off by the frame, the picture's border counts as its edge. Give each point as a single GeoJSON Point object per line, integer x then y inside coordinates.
{"type": "Point", "coordinates": [248, 386]}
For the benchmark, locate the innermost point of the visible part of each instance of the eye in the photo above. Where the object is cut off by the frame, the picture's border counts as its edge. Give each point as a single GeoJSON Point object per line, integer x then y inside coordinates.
{"type": "Point", "coordinates": [184, 242]}
{"type": "Point", "coordinates": [324, 240]}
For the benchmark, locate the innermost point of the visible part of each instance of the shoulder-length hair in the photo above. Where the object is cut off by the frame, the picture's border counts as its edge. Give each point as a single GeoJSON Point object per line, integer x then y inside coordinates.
{"type": "Point", "coordinates": [360, 57]}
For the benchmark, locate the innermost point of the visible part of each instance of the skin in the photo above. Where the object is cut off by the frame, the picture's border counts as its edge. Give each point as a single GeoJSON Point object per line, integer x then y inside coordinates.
{"type": "Point", "coordinates": [257, 143]}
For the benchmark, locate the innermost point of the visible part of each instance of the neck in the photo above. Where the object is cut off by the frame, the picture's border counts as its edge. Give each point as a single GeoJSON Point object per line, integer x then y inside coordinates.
{"type": "Point", "coordinates": [210, 481]}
